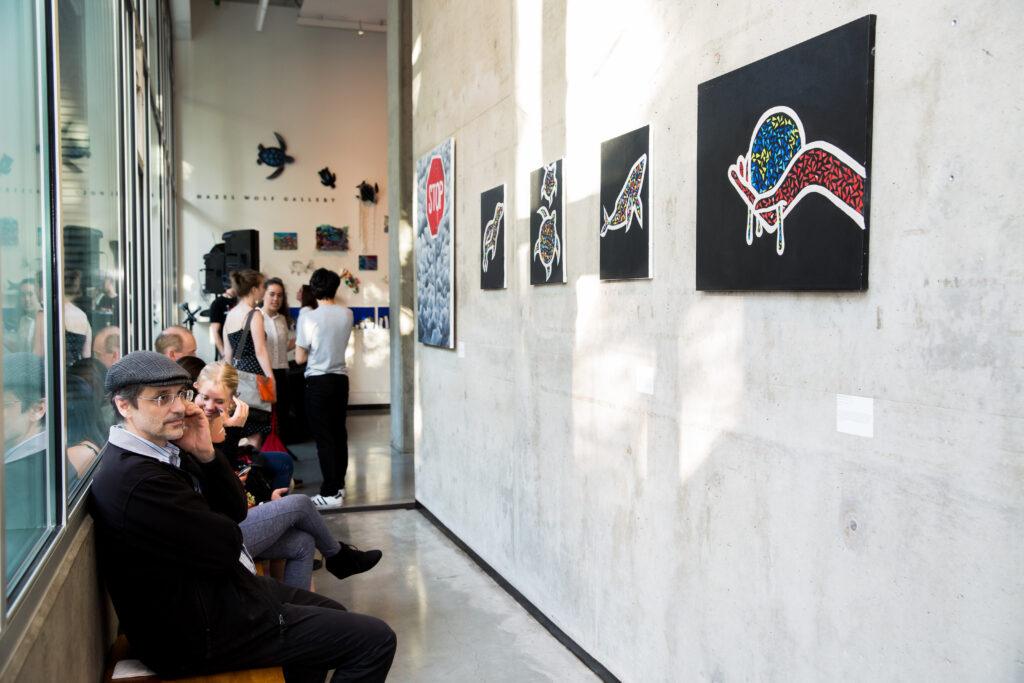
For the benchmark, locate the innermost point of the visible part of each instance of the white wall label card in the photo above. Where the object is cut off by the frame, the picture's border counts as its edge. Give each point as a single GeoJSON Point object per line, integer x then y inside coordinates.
{"type": "Point", "coordinates": [461, 349]}
{"type": "Point", "coordinates": [645, 380]}
{"type": "Point", "coordinates": [855, 415]}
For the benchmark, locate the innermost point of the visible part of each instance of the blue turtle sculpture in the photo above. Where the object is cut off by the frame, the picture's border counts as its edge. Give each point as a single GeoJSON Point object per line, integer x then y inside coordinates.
{"type": "Point", "coordinates": [275, 156]}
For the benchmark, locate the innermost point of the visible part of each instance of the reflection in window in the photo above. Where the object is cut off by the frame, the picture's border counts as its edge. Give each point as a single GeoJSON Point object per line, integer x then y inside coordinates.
{"type": "Point", "coordinates": [90, 216]}
{"type": "Point", "coordinates": [28, 476]}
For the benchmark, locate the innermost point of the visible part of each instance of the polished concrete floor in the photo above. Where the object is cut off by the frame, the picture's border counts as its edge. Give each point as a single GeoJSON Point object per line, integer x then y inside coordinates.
{"type": "Point", "coordinates": [375, 475]}
{"type": "Point", "coordinates": [454, 623]}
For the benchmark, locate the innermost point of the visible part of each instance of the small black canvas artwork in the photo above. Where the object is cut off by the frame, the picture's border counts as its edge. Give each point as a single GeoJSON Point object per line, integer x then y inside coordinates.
{"type": "Point", "coordinates": [625, 210]}
{"type": "Point", "coordinates": [547, 225]}
{"type": "Point", "coordinates": [492, 238]}
{"type": "Point", "coordinates": [783, 168]}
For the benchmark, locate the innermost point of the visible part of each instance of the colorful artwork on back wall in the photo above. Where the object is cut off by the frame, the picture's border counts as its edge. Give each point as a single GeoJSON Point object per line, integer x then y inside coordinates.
{"type": "Point", "coordinates": [286, 241]}
{"type": "Point", "coordinates": [350, 280]}
{"type": "Point", "coordinates": [330, 238]}
{"type": "Point", "coordinates": [492, 238]}
{"type": "Point", "coordinates": [434, 224]}
{"type": "Point", "coordinates": [783, 168]}
{"type": "Point", "coordinates": [625, 207]}
{"type": "Point", "coordinates": [547, 225]}
{"type": "Point", "coordinates": [367, 262]}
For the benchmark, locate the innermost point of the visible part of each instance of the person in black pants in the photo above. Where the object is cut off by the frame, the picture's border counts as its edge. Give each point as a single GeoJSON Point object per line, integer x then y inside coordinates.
{"type": "Point", "coordinates": [166, 507]}
{"type": "Point", "coordinates": [321, 340]}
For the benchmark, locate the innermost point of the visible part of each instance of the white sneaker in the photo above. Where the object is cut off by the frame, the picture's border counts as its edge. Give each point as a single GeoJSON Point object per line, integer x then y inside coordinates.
{"type": "Point", "coordinates": [328, 502]}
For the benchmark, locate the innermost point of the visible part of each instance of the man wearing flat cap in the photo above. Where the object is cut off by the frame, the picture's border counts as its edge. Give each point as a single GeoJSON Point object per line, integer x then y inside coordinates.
{"type": "Point", "coordinates": [167, 507]}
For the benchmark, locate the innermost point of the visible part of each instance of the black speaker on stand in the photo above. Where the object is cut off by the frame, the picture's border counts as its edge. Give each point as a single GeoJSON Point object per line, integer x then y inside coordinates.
{"type": "Point", "coordinates": [241, 250]}
{"type": "Point", "coordinates": [215, 277]}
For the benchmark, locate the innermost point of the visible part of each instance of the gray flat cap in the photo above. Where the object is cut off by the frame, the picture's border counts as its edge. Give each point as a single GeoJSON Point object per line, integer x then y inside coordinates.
{"type": "Point", "coordinates": [145, 367]}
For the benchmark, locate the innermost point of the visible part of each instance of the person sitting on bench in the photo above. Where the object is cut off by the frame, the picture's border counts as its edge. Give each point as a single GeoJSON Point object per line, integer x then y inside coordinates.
{"type": "Point", "coordinates": [166, 508]}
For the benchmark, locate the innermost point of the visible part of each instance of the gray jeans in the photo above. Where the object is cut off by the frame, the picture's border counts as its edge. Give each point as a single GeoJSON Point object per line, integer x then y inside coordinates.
{"type": "Point", "coordinates": [290, 529]}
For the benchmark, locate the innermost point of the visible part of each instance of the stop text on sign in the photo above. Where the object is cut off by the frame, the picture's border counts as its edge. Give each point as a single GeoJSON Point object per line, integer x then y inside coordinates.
{"type": "Point", "coordinates": [435, 195]}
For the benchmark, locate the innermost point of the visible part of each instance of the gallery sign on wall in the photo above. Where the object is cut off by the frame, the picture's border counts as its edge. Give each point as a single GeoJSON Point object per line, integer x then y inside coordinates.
{"type": "Point", "coordinates": [547, 225]}
{"type": "Point", "coordinates": [783, 167]}
{"type": "Point", "coordinates": [625, 207]}
{"type": "Point", "coordinates": [434, 220]}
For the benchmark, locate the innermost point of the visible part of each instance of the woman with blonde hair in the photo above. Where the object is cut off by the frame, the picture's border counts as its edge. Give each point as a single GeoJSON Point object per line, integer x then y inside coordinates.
{"type": "Point", "coordinates": [216, 387]}
{"type": "Point", "coordinates": [285, 527]}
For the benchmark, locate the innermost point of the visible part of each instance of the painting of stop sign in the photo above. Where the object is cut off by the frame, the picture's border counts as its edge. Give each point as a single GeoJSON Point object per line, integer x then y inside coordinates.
{"type": "Point", "coordinates": [783, 167]}
{"type": "Point", "coordinates": [434, 220]}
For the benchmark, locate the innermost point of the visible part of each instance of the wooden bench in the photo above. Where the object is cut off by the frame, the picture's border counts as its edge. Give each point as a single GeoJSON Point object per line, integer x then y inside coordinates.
{"type": "Point", "coordinates": [122, 650]}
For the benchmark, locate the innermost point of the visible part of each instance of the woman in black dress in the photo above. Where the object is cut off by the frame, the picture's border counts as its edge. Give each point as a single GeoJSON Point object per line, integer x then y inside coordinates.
{"type": "Point", "coordinates": [249, 352]}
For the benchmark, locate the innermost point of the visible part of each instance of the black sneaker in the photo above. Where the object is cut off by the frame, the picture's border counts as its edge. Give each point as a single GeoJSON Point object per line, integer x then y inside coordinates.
{"type": "Point", "coordinates": [350, 560]}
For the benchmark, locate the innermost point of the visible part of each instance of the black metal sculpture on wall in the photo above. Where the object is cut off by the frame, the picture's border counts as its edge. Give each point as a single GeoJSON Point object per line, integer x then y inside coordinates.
{"type": "Point", "coordinates": [275, 157]}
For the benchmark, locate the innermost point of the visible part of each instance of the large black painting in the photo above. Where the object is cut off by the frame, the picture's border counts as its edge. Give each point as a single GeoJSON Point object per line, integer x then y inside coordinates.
{"type": "Point", "coordinates": [547, 225]}
{"type": "Point", "coordinates": [625, 209]}
{"type": "Point", "coordinates": [492, 238]}
{"type": "Point", "coordinates": [783, 168]}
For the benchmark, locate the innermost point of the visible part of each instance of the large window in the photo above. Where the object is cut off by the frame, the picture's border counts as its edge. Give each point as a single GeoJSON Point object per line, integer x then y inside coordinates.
{"type": "Point", "coordinates": [29, 470]}
{"type": "Point", "coordinates": [91, 224]}
{"type": "Point", "coordinates": [85, 190]}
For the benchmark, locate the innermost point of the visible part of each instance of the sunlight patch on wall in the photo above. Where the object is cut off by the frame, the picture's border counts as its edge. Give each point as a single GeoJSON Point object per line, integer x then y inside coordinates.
{"type": "Point", "coordinates": [710, 377]}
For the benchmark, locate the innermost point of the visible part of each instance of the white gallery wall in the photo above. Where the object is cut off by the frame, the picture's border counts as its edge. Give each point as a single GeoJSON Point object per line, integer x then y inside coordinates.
{"type": "Point", "coordinates": [324, 91]}
{"type": "Point", "coordinates": [658, 469]}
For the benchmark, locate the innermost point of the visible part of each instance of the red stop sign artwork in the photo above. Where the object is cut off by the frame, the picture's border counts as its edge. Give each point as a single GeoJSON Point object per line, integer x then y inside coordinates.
{"type": "Point", "coordinates": [435, 195]}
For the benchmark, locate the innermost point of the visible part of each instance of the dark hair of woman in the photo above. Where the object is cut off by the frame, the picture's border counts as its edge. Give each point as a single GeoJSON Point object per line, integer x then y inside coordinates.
{"type": "Point", "coordinates": [284, 299]}
{"type": "Point", "coordinates": [192, 365]}
{"type": "Point", "coordinates": [244, 281]}
{"type": "Point", "coordinates": [306, 297]}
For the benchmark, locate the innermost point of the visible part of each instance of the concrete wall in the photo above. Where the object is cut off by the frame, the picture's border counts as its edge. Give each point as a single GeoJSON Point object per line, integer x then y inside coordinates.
{"type": "Point", "coordinates": [324, 90]}
{"type": "Point", "coordinates": [721, 528]}
{"type": "Point", "coordinates": [68, 634]}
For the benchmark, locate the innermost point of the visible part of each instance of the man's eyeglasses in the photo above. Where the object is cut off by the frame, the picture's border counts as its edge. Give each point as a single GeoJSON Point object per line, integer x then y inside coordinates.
{"type": "Point", "coordinates": [168, 399]}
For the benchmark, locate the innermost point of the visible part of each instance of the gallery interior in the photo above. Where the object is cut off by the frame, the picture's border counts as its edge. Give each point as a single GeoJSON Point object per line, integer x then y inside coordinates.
{"type": "Point", "coordinates": [689, 335]}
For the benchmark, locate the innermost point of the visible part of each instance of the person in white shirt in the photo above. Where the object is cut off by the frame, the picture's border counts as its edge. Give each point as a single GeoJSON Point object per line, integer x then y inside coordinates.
{"type": "Point", "coordinates": [321, 341]}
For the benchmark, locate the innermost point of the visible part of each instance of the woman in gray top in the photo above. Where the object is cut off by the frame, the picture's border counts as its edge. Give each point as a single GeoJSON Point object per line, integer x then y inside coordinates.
{"type": "Point", "coordinates": [321, 340]}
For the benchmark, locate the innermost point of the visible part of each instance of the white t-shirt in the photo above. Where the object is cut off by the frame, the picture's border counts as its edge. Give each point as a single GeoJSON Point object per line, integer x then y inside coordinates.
{"type": "Point", "coordinates": [324, 333]}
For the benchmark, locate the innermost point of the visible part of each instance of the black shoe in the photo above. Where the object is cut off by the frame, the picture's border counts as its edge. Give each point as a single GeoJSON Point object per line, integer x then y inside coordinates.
{"type": "Point", "coordinates": [350, 560]}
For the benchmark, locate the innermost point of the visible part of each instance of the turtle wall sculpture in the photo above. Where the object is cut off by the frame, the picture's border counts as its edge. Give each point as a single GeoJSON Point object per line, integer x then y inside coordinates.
{"type": "Point", "coordinates": [276, 157]}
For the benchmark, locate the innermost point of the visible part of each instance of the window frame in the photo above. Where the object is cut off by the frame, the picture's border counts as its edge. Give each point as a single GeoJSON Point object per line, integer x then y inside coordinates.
{"type": "Point", "coordinates": [21, 601]}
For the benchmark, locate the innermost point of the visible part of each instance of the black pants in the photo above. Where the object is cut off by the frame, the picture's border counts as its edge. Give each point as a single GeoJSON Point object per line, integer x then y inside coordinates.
{"type": "Point", "coordinates": [283, 404]}
{"type": "Point", "coordinates": [317, 635]}
{"type": "Point", "coordinates": [326, 406]}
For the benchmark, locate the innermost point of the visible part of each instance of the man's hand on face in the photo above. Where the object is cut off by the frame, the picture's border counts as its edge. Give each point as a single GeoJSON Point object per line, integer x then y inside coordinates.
{"type": "Point", "coordinates": [196, 439]}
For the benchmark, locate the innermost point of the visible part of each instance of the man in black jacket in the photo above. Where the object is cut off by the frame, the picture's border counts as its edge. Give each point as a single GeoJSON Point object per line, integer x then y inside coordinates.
{"type": "Point", "coordinates": [166, 507]}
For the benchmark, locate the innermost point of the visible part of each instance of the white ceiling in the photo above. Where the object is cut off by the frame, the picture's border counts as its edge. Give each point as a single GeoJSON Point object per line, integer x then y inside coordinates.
{"type": "Point", "coordinates": [366, 11]}
{"type": "Point", "coordinates": [340, 14]}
